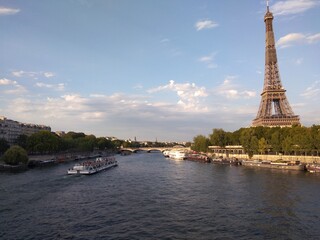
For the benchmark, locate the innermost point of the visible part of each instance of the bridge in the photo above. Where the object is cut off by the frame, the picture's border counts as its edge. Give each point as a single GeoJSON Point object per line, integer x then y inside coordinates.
{"type": "Point", "coordinates": [153, 149]}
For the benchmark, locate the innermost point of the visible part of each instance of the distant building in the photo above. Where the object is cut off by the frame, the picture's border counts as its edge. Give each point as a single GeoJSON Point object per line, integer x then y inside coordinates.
{"type": "Point", "coordinates": [10, 130]}
{"type": "Point", "coordinates": [237, 149]}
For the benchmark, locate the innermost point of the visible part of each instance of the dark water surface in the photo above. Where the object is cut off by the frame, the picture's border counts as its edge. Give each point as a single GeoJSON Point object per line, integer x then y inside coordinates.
{"type": "Point", "coordinates": [150, 197]}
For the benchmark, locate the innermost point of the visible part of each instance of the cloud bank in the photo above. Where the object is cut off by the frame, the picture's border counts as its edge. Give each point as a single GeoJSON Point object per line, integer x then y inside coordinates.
{"type": "Point", "coordinates": [297, 38]}
{"type": "Point", "coordinates": [291, 7]}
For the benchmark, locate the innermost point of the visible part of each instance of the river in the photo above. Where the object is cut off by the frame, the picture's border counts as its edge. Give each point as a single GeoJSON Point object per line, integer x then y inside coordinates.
{"type": "Point", "coordinates": [150, 197]}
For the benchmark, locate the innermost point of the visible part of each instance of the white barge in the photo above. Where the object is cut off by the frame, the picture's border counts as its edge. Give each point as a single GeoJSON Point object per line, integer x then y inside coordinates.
{"type": "Point", "coordinates": [91, 167]}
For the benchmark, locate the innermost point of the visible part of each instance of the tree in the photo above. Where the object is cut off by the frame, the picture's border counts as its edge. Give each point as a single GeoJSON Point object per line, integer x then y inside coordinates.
{"type": "Point", "coordinates": [218, 137]}
{"type": "Point", "coordinates": [315, 138]}
{"type": "Point", "coordinates": [287, 145]}
{"type": "Point", "coordinates": [15, 155]}
{"type": "Point", "coordinates": [22, 141]}
{"type": "Point", "coordinates": [302, 139]}
{"type": "Point", "coordinates": [43, 142]}
{"type": "Point", "coordinates": [200, 143]}
{"type": "Point", "coordinates": [234, 137]}
{"type": "Point", "coordinates": [276, 140]}
{"type": "Point", "coordinates": [249, 141]}
{"type": "Point", "coordinates": [262, 145]}
{"type": "Point", "coordinates": [74, 135]}
{"type": "Point", "coordinates": [4, 145]}
{"type": "Point", "coordinates": [87, 143]}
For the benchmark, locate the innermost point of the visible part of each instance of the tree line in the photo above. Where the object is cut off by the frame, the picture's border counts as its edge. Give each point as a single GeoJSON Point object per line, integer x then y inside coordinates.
{"type": "Point", "coordinates": [295, 140]}
{"type": "Point", "coordinates": [46, 142]}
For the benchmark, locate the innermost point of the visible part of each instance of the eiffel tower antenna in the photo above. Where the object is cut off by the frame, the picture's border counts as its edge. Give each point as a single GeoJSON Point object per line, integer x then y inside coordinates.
{"type": "Point", "coordinates": [274, 110]}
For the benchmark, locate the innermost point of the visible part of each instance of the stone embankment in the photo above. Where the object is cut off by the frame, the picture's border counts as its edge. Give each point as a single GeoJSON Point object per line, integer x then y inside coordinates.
{"type": "Point", "coordinates": [290, 158]}
{"type": "Point", "coordinates": [12, 168]}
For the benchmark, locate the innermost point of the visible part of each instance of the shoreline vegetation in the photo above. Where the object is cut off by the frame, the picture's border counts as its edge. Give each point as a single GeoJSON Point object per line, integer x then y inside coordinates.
{"type": "Point", "coordinates": [44, 148]}
{"type": "Point", "coordinates": [28, 150]}
{"type": "Point", "coordinates": [292, 141]}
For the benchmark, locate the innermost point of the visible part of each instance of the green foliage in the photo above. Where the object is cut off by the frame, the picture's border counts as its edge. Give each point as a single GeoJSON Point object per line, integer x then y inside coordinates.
{"type": "Point", "coordinates": [276, 140]}
{"type": "Point", "coordinates": [4, 145]}
{"type": "Point", "coordinates": [43, 142]}
{"type": "Point", "coordinates": [219, 137]}
{"type": "Point", "coordinates": [22, 141]}
{"type": "Point", "coordinates": [104, 143]}
{"type": "Point", "coordinates": [296, 139]}
{"type": "Point", "coordinates": [118, 143]}
{"type": "Point", "coordinates": [249, 141]}
{"type": "Point", "coordinates": [15, 155]}
{"type": "Point", "coordinates": [262, 145]}
{"type": "Point", "coordinates": [200, 143]}
{"type": "Point", "coordinates": [74, 135]}
{"type": "Point", "coordinates": [287, 145]}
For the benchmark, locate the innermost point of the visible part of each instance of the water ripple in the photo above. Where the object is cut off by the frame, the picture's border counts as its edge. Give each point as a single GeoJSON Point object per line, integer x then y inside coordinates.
{"type": "Point", "coordinates": [150, 197]}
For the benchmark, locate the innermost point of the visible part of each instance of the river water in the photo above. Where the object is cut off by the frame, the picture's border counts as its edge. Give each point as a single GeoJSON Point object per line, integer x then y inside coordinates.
{"type": "Point", "coordinates": [150, 197]}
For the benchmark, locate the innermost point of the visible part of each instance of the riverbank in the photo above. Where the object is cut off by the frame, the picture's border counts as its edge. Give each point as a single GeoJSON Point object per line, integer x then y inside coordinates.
{"type": "Point", "coordinates": [12, 168]}
{"type": "Point", "coordinates": [266, 157]}
{"type": "Point", "coordinates": [41, 160]}
{"type": "Point", "coordinates": [52, 159]}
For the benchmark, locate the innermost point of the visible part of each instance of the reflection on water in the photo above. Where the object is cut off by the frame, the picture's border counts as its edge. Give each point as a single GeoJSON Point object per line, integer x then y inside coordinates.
{"type": "Point", "coordinates": [150, 197]}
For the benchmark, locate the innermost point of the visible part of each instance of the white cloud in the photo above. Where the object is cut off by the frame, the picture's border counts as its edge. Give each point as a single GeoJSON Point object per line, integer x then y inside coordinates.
{"type": "Point", "coordinates": [17, 73]}
{"type": "Point", "coordinates": [231, 91]}
{"type": "Point", "coordinates": [289, 7]}
{"type": "Point", "coordinates": [48, 74]}
{"type": "Point", "coordinates": [126, 115]}
{"type": "Point", "coordinates": [11, 87]}
{"type": "Point", "coordinates": [208, 60]}
{"type": "Point", "coordinates": [313, 91]}
{"type": "Point", "coordinates": [189, 94]}
{"type": "Point", "coordinates": [4, 81]}
{"type": "Point", "coordinates": [313, 38]}
{"type": "Point", "coordinates": [296, 38]}
{"type": "Point", "coordinates": [205, 24]}
{"type": "Point", "coordinates": [34, 75]}
{"type": "Point", "coordinates": [58, 87]}
{"type": "Point", "coordinates": [8, 11]}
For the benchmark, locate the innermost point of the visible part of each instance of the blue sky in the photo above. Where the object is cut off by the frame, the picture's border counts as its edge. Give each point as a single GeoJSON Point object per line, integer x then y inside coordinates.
{"type": "Point", "coordinates": [166, 70]}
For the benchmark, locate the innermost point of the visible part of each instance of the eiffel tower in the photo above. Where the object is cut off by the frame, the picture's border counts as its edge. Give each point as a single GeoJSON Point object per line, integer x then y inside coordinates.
{"type": "Point", "coordinates": [274, 110]}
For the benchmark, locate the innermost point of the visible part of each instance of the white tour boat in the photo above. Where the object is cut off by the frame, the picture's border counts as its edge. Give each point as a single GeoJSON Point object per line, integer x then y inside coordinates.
{"type": "Point", "coordinates": [91, 167]}
{"type": "Point", "coordinates": [178, 155]}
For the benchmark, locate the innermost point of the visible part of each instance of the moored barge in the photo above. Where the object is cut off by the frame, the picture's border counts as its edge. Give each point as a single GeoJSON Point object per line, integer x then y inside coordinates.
{"type": "Point", "coordinates": [198, 157]}
{"type": "Point", "coordinates": [313, 167]}
{"type": "Point", "coordinates": [297, 166]}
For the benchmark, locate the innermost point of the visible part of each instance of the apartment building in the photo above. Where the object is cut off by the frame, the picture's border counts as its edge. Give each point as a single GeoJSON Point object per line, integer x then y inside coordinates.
{"type": "Point", "coordinates": [10, 130]}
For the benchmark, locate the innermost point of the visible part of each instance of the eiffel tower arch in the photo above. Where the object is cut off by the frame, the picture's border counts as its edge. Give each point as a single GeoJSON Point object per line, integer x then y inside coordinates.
{"type": "Point", "coordinates": [274, 110]}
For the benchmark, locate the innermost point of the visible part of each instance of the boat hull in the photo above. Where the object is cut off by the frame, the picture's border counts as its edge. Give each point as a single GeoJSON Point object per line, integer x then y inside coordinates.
{"type": "Point", "coordinates": [296, 167]}
{"type": "Point", "coordinates": [177, 155]}
{"type": "Point", "coordinates": [92, 167]}
{"type": "Point", "coordinates": [90, 171]}
{"type": "Point", "coordinates": [313, 168]}
{"type": "Point", "coordinates": [198, 158]}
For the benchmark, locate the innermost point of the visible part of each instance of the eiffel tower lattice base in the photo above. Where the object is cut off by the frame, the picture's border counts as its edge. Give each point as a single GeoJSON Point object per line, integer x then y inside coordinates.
{"type": "Point", "coordinates": [275, 111]}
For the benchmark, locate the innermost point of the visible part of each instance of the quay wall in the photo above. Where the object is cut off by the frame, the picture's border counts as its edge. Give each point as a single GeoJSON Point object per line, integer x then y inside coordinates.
{"type": "Point", "coordinates": [291, 158]}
